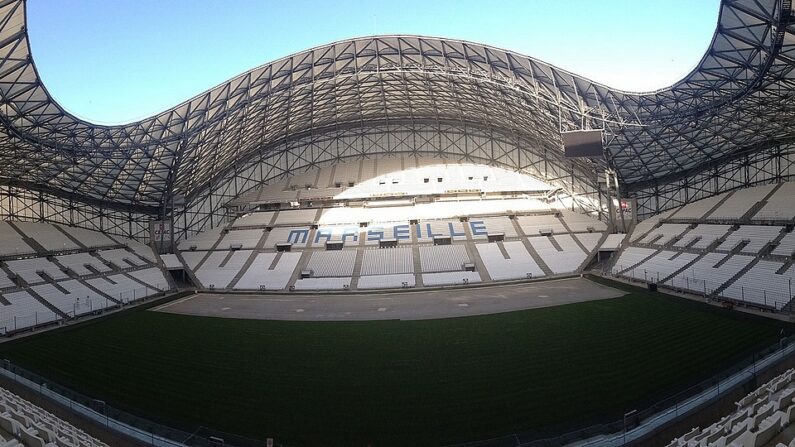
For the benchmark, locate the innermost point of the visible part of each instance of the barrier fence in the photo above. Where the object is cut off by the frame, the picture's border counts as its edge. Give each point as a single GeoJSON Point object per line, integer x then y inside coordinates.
{"type": "Point", "coordinates": [11, 322]}
{"type": "Point", "coordinates": [773, 298]}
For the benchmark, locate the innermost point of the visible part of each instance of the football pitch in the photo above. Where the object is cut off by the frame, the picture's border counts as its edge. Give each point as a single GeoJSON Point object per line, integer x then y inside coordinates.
{"type": "Point", "coordinates": [421, 382]}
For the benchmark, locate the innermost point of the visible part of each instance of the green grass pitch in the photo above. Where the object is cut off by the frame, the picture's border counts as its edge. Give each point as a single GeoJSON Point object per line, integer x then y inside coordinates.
{"type": "Point", "coordinates": [397, 382]}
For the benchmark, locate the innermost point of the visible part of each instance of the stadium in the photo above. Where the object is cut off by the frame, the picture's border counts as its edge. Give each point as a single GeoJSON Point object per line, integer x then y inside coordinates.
{"type": "Point", "coordinates": [406, 240]}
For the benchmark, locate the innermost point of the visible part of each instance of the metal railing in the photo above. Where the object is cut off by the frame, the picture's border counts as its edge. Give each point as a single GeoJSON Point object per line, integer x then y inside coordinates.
{"type": "Point", "coordinates": [11, 322]}
{"type": "Point", "coordinates": [737, 294]}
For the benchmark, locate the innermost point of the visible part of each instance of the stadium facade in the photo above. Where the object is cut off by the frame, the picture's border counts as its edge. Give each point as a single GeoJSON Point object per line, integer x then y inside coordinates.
{"type": "Point", "coordinates": [728, 124]}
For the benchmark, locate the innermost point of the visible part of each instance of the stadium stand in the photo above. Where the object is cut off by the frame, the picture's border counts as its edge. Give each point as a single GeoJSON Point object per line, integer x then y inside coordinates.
{"type": "Point", "coordinates": [82, 264]}
{"type": "Point", "coordinates": [47, 236]}
{"type": "Point", "coordinates": [761, 419]}
{"type": "Point", "coordinates": [378, 213]}
{"type": "Point", "coordinates": [702, 236]}
{"type": "Point", "coordinates": [24, 424]}
{"type": "Point", "coordinates": [387, 261]}
{"type": "Point", "coordinates": [332, 263]}
{"type": "Point", "coordinates": [511, 262]}
{"type": "Point", "coordinates": [700, 208]}
{"type": "Point", "coordinates": [534, 225]}
{"type": "Point", "coordinates": [386, 281]}
{"type": "Point", "coordinates": [741, 203]}
{"type": "Point", "coordinates": [240, 239]}
{"type": "Point", "coordinates": [755, 237]}
{"type": "Point", "coordinates": [664, 234]}
{"type": "Point", "coordinates": [221, 267]}
{"type": "Point", "coordinates": [88, 238]}
{"type": "Point", "coordinates": [336, 283]}
{"type": "Point", "coordinates": [120, 258]}
{"type": "Point", "coordinates": [11, 242]}
{"type": "Point", "coordinates": [23, 311]}
{"type": "Point", "coordinates": [36, 270]}
{"type": "Point", "coordinates": [269, 271]}
{"type": "Point", "coordinates": [443, 258]}
{"type": "Point", "coordinates": [560, 252]}
{"type": "Point", "coordinates": [450, 278]}
{"type": "Point", "coordinates": [612, 242]}
{"type": "Point", "coordinates": [780, 206]}
{"type": "Point", "coordinates": [56, 273]}
{"type": "Point", "coordinates": [742, 260]}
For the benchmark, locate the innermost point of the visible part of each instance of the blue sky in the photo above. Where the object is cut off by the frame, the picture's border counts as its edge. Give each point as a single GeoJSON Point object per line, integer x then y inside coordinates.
{"type": "Point", "coordinates": [121, 60]}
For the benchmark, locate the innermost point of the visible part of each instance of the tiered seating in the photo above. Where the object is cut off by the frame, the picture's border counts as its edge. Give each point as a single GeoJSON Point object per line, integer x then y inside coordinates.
{"type": "Point", "coordinates": [28, 269]}
{"type": "Point", "coordinates": [428, 229]}
{"type": "Point", "coordinates": [335, 283]}
{"type": "Point", "coordinates": [34, 426]}
{"type": "Point", "coordinates": [47, 236]}
{"type": "Point", "coordinates": [259, 219]}
{"type": "Point", "coordinates": [89, 238]}
{"type": "Point", "coordinates": [122, 288]}
{"type": "Point", "coordinates": [5, 281]}
{"type": "Point", "coordinates": [704, 277]}
{"type": "Point", "coordinates": [386, 281]}
{"type": "Point", "coordinates": [241, 238]}
{"type": "Point", "coordinates": [332, 263]}
{"type": "Point", "coordinates": [646, 225]}
{"type": "Point", "coordinates": [77, 262]}
{"type": "Point", "coordinates": [566, 260]}
{"type": "Point", "coordinates": [763, 286]}
{"type": "Point", "coordinates": [780, 206]}
{"type": "Point", "coordinates": [345, 173]}
{"type": "Point", "coordinates": [518, 265]}
{"type": "Point", "coordinates": [630, 257]}
{"type": "Point", "coordinates": [405, 202]}
{"type": "Point", "coordinates": [220, 268]}
{"type": "Point", "coordinates": [193, 258]}
{"type": "Point", "coordinates": [698, 209]}
{"type": "Point", "coordinates": [661, 265]}
{"type": "Point", "coordinates": [613, 241]}
{"type": "Point", "coordinates": [296, 217]}
{"type": "Point", "coordinates": [589, 240]}
{"type": "Point", "coordinates": [533, 225]}
{"type": "Point", "coordinates": [786, 246]}
{"type": "Point", "coordinates": [75, 298]}
{"type": "Point", "coordinates": [11, 242]}
{"type": "Point", "coordinates": [23, 311]}
{"type": "Point", "coordinates": [664, 234]}
{"type": "Point", "coordinates": [703, 234]}
{"type": "Point", "coordinates": [142, 250]}
{"type": "Point", "coordinates": [387, 261]}
{"type": "Point", "coordinates": [759, 418]}
{"type": "Point", "coordinates": [48, 279]}
{"type": "Point", "coordinates": [740, 203]}
{"type": "Point", "coordinates": [579, 222]}
{"type": "Point", "coordinates": [171, 261]}
{"type": "Point", "coordinates": [443, 258]}
{"type": "Point", "coordinates": [757, 236]}
{"type": "Point", "coordinates": [450, 278]}
{"type": "Point", "coordinates": [495, 225]}
{"type": "Point", "coordinates": [151, 276]}
{"type": "Point", "coordinates": [260, 275]}
{"type": "Point", "coordinates": [202, 241]}
{"type": "Point", "coordinates": [298, 236]}
{"type": "Point", "coordinates": [121, 258]}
